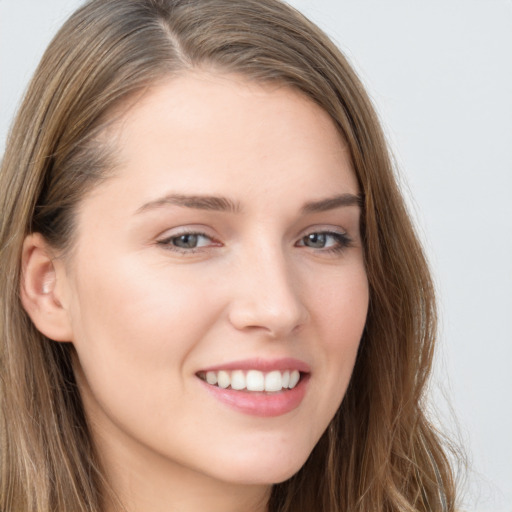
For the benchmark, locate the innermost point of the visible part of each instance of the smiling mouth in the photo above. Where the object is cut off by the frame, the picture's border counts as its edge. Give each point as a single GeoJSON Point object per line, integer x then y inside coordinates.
{"type": "Point", "coordinates": [253, 380]}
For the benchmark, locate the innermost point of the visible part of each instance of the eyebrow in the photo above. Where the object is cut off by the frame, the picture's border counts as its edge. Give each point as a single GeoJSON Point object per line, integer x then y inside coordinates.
{"type": "Point", "coordinates": [223, 204]}
{"type": "Point", "coordinates": [198, 202]}
{"type": "Point", "coordinates": [333, 202]}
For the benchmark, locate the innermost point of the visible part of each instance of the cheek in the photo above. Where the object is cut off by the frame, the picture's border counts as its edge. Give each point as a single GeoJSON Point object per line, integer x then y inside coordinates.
{"type": "Point", "coordinates": [138, 299]}
{"type": "Point", "coordinates": [339, 310]}
{"type": "Point", "coordinates": [134, 331]}
{"type": "Point", "coordinates": [339, 307]}
{"type": "Point", "coordinates": [135, 325]}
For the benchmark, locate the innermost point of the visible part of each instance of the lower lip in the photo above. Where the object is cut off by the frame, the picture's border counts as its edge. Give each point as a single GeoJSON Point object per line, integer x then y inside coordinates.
{"type": "Point", "coordinates": [261, 403]}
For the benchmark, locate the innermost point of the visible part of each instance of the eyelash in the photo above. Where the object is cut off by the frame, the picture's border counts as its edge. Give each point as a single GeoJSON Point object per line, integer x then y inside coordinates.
{"type": "Point", "coordinates": [343, 241]}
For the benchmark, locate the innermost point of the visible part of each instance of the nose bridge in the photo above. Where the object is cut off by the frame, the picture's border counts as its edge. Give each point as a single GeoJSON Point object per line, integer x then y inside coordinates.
{"type": "Point", "coordinates": [267, 296]}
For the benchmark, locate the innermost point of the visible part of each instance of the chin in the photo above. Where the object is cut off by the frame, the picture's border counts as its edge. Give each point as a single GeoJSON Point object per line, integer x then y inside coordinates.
{"type": "Point", "coordinates": [264, 470]}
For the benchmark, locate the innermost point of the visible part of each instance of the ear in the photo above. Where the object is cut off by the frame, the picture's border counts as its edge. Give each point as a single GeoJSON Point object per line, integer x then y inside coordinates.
{"type": "Point", "coordinates": [42, 285]}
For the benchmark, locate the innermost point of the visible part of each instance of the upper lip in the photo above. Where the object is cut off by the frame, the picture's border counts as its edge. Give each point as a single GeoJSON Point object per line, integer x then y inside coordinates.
{"type": "Point", "coordinates": [263, 365]}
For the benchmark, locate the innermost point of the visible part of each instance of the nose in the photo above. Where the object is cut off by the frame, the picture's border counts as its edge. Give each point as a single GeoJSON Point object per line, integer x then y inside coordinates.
{"type": "Point", "coordinates": [266, 295]}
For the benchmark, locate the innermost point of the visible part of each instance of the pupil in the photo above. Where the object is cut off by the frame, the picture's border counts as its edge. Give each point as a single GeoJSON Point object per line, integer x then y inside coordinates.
{"type": "Point", "coordinates": [317, 240]}
{"type": "Point", "coordinates": [186, 241]}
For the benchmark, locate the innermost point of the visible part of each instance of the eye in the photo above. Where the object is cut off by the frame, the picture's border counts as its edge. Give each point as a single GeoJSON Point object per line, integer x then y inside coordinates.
{"type": "Point", "coordinates": [190, 241]}
{"type": "Point", "coordinates": [187, 242]}
{"type": "Point", "coordinates": [325, 240]}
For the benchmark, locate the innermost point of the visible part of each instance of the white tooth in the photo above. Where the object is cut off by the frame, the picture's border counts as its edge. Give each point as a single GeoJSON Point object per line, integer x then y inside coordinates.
{"type": "Point", "coordinates": [273, 381]}
{"type": "Point", "coordinates": [294, 379]}
{"type": "Point", "coordinates": [223, 379]}
{"type": "Point", "coordinates": [238, 380]}
{"type": "Point", "coordinates": [211, 378]}
{"type": "Point", "coordinates": [255, 380]}
{"type": "Point", "coordinates": [286, 379]}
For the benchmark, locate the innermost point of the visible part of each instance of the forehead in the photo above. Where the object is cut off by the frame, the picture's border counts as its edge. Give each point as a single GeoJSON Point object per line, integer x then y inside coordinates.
{"type": "Point", "coordinates": [223, 134]}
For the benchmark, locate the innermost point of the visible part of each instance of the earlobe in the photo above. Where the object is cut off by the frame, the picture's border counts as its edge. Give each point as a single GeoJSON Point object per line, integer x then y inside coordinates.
{"type": "Point", "coordinates": [41, 289]}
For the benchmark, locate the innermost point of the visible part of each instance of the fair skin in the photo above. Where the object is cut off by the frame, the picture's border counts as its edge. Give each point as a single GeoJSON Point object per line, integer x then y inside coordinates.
{"type": "Point", "coordinates": [164, 286]}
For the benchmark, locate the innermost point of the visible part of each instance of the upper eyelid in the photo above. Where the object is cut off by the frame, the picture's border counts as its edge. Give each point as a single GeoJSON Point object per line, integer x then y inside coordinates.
{"type": "Point", "coordinates": [185, 230]}
{"type": "Point", "coordinates": [335, 230]}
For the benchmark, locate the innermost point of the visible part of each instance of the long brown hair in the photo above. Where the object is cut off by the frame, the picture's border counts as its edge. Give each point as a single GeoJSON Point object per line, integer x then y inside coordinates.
{"type": "Point", "coordinates": [380, 453]}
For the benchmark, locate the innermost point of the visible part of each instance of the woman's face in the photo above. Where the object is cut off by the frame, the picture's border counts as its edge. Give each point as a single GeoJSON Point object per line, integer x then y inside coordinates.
{"type": "Point", "coordinates": [223, 253]}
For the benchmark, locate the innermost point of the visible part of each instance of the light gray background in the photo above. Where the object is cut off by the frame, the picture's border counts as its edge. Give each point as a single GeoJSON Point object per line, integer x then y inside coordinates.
{"type": "Point", "coordinates": [440, 74]}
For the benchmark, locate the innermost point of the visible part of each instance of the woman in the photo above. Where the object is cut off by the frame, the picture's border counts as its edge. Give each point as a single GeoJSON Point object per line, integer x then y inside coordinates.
{"type": "Point", "coordinates": [213, 297]}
